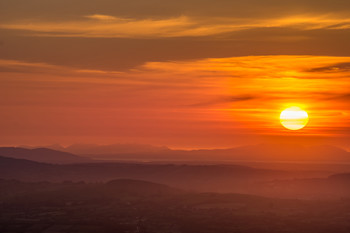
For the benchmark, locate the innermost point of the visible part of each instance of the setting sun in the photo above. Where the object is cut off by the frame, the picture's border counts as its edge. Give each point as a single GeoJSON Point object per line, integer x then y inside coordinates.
{"type": "Point", "coordinates": [294, 118]}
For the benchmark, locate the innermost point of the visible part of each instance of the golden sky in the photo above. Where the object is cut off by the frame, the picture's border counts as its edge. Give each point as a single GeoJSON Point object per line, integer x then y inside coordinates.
{"type": "Point", "coordinates": [187, 74]}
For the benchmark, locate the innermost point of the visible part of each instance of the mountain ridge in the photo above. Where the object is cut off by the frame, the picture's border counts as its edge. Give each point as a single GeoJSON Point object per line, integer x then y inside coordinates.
{"type": "Point", "coordinates": [261, 152]}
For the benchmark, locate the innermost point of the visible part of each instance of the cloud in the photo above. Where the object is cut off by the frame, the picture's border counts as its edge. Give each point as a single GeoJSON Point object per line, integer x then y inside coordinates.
{"type": "Point", "coordinates": [224, 100]}
{"type": "Point", "coordinates": [345, 96]}
{"type": "Point", "coordinates": [209, 70]}
{"type": "Point", "coordinates": [340, 67]}
{"type": "Point", "coordinates": [259, 67]}
{"type": "Point", "coordinates": [107, 26]}
{"type": "Point", "coordinates": [30, 67]}
{"type": "Point", "coordinates": [102, 17]}
{"type": "Point", "coordinates": [53, 71]}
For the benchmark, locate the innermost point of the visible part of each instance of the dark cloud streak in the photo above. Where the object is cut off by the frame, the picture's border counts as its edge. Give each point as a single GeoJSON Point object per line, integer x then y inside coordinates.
{"type": "Point", "coordinates": [225, 99]}
{"type": "Point", "coordinates": [340, 67]}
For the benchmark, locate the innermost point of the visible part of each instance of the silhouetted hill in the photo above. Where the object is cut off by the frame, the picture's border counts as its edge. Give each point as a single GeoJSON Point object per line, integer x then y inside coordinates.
{"type": "Point", "coordinates": [11, 163]}
{"type": "Point", "coordinates": [139, 186]}
{"type": "Point", "coordinates": [42, 155]}
{"type": "Point", "coordinates": [11, 168]}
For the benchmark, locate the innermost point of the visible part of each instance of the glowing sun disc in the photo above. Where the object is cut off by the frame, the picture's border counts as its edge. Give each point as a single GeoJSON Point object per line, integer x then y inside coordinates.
{"type": "Point", "coordinates": [294, 118]}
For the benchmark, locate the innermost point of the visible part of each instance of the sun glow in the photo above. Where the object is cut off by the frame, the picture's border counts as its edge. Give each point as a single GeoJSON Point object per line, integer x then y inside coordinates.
{"type": "Point", "coordinates": [294, 118]}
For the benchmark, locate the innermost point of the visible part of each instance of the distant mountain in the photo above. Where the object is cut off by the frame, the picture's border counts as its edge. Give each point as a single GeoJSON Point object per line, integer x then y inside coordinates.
{"type": "Point", "coordinates": [291, 152]}
{"type": "Point", "coordinates": [42, 155]}
{"type": "Point", "coordinates": [93, 149]}
{"type": "Point", "coordinates": [263, 152]}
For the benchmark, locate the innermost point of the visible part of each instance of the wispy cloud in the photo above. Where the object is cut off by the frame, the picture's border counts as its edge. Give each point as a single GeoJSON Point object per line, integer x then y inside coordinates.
{"type": "Point", "coordinates": [107, 26]}
{"type": "Point", "coordinates": [101, 17]}
{"type": "Point", "coordinates": [286, 67]}
{"type": "Point", "coordinates": [259, 67]}
{"type": "Point", "coordinates": [224, 100]}
{"type": "Point", "coordinates": [31, 67]}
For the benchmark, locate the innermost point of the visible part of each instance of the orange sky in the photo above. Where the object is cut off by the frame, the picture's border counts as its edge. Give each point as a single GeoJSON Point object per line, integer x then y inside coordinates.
{"type": "Point", "coordinates": [178, 76]}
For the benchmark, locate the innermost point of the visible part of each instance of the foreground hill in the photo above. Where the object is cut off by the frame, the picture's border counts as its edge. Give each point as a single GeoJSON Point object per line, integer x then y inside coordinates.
{"type": "Point", "coordinates": [41, 155]}
{"type": "Point", "coordinates": [126, 206]}
{"type": "Point", "coordinates": [80, 191]}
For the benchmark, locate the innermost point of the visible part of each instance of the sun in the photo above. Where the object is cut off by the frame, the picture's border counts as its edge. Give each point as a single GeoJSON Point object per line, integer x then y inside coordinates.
{"type": "Point", "coordinates": [294, 118]}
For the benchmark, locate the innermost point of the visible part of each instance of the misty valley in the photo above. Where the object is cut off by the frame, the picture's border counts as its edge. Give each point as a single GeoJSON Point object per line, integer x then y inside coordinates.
{"type": "Point", "coordinates": [139, 206]}
{"type": "Point", "coordinates": [73, 193]}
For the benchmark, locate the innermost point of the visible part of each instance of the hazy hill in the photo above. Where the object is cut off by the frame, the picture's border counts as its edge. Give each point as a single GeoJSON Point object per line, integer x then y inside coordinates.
{"type": "Point", "coordinates": [333, 187]}
{"type": "Point", "coordinates": [220, 178]}
{"type": "Point", "coordinates": [93, 149]}
{"type": "Point", "coordinates": [42, 155]}
{"type": "Point", "coordinates": [252, 153]}
{"type": "Point", "coordinates": [207, 178]}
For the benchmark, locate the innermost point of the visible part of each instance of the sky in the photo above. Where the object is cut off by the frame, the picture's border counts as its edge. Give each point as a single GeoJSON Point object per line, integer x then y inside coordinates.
{"type": "Point", "coordinates": [184, 74]}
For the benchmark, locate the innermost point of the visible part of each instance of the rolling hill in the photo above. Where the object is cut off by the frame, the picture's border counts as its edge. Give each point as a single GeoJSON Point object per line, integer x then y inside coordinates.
{"type": "Point", "coordinates": [220, 178]}
{"type": "Point", "coordinates": [44, 155]}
